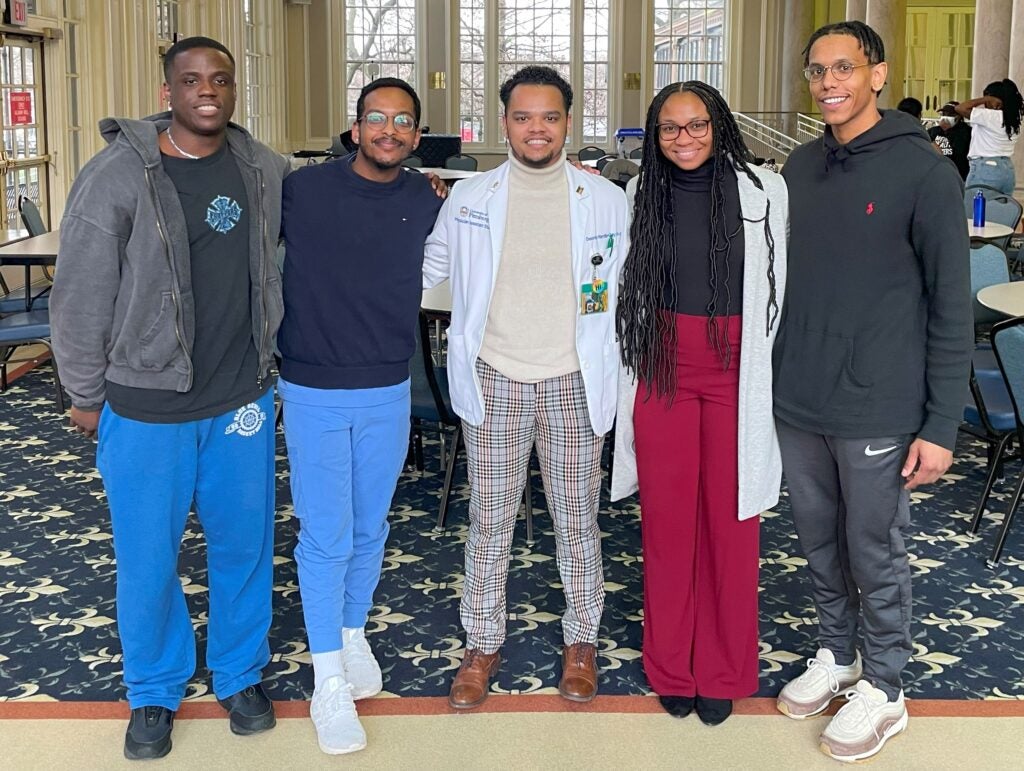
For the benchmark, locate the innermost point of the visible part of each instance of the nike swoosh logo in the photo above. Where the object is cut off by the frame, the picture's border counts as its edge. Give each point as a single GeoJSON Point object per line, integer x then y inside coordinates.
{"type": "Point", "coordinates": [869, 452]}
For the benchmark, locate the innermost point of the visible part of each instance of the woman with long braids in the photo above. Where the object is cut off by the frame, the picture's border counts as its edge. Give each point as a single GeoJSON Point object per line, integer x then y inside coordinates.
{"type": "Point", "coordinates": [995, 119]}
{"type": "Point", "coordinates": [698, 307]}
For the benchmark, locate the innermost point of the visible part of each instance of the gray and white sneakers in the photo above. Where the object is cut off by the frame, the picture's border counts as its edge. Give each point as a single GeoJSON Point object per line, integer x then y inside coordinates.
{"type": "Point", "coordinates": [823, 680]}
{"type": "Point", "coordinates": [333, 711]}
{"type": "Point", "coordinates": [361, 669]}
{"type": "Point", "coordinates": [865, 723]}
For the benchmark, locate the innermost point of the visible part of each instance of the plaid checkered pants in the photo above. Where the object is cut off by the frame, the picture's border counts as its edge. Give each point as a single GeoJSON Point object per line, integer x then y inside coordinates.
{"type": "Point", "coordinates": [552, 414]}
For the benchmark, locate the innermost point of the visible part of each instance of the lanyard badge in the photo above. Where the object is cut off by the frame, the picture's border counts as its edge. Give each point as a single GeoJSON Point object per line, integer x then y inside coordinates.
{"type": "Point", "coordinates": [594, 296]}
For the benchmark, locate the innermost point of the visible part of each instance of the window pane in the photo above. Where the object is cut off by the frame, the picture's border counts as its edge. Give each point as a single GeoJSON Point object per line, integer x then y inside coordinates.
{"type": "Point", "coordinates": [380, 42]}
{"type": "Point", "coordinates": [689, 41]}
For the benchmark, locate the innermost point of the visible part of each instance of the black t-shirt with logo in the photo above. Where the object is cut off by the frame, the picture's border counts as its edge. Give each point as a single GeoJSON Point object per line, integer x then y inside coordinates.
{"type": "Point", "coordinates": [954, 144]}
{"type": "Point", "coordinates": [224, 357]}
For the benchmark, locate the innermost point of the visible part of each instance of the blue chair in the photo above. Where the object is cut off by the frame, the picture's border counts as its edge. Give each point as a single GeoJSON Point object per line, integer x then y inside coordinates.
{"type": "Point", "coordinates": [27, 328]}
{"type": "Point", "coordinates": [432, 404]}
{"type": "Point", "coordinates": [1008, 343]}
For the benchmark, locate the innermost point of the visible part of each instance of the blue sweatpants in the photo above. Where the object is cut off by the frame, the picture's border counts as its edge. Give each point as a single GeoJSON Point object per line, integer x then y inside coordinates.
{"type": "Point", "coordinates": [152, 473]}
{"type": "Point", "coordinates": [346, 448]}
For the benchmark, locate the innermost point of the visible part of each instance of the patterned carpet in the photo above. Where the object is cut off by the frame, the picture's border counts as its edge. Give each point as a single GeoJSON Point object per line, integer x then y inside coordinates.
{"type": "Point", "coordinates": [58, 639]}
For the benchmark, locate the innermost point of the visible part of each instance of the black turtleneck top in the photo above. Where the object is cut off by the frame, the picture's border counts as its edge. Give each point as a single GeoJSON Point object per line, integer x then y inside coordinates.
{"type": "Point", "coordinates": [691, 208]}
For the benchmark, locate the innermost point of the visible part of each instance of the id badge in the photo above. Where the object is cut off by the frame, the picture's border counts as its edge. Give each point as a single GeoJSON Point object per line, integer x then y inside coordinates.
{"type": "Point", "coordinates": [594, 297]}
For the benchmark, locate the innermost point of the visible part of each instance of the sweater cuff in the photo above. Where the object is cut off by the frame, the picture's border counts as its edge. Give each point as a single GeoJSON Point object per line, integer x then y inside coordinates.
{"type": "Point", "coordinates": [939, 430]}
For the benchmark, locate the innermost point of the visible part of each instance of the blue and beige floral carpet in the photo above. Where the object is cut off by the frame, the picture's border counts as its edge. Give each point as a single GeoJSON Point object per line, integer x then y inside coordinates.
{"type": "Point", "coordinates": [58, 637]}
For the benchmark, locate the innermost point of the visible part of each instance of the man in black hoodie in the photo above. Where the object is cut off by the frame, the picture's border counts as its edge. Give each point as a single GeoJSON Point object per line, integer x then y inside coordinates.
{"type": "Point", "coordinates": [871, 365]}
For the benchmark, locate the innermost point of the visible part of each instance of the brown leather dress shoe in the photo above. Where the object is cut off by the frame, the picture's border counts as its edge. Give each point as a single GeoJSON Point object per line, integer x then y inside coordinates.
{"type": "Point", "coordinates": [472, 681]}
{"type": "Point", "coordinates": [579, 672]}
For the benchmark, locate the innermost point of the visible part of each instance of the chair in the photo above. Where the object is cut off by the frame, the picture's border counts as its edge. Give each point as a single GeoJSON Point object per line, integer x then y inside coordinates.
{"type": "Point", "coordinates": [33, 222]}
{"type": "Point", "coordinates": [988, 414]}
{"type": "Point", "coordinates": [462, 162]}
{"type": "Point", "coordinates": [342, 144]}
{"type": "Point", "coordinates": [620, 170]}
{"type": "Point", "coordinates": [431, 403]}
{"type": "Point", "coordinates": [999, 207]}
{"type": "Point", "coordinates": [27, 328]}
{"type": "Point", "coordinates": [602, 162]}
{"type": "Point", "coordinates": [636, 153]}
{"type": "Point", "coordinates": [590, 153]}
{"type": "Point", "coordinates": [1008, 343]}
{"type": "Point", "coordinates": [413, 162]}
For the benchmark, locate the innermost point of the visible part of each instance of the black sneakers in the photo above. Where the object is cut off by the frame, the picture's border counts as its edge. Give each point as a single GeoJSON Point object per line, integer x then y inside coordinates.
{"type": "Point", "coordinates": [713, 711]}
{"type": "Point", "coordinates": [250, 710]}
{"type": "Point", "coordinates": [677, 706]}
{"type": "Point", "coordinates": [149, 733]}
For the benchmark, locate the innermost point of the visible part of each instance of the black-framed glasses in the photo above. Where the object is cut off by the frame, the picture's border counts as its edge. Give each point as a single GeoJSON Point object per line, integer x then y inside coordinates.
{"type": "Point", "coordinates": [404, 123]}
{"type": "Point", "coordinates": [840, 71]}
{"type": "Point", "coordinates": [698, 129]}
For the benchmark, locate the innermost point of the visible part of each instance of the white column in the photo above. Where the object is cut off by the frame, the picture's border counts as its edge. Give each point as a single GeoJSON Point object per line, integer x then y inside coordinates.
{"type": "Point", "coordinates": [889, 19]}
{"type": "Point", "coordinates": [1016, 74]}
{"type": "Point", "coordinates": [856, 10]}
{"type": "Point", "coordinates": [991, 43]}
{"type": "Point", "coordinates": [798, 24]}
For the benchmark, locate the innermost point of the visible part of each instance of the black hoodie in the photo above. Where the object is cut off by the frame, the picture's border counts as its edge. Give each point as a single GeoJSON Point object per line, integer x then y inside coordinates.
{"type": "Point", "coordinates": [877, 330]}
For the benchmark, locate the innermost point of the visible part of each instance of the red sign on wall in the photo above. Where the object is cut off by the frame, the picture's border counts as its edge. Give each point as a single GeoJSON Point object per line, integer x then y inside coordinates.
{"type": "Point", "coordinates": [17, 12]}
{"type": "Point", "coordinates": [20, 103]}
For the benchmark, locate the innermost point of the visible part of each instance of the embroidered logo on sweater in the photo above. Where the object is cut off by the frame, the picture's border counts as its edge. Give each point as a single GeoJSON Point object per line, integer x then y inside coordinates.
{"type": "Point", "coordinates": [247, 421]}
{"type": "Point", "coordinates": [871, 208]}
{"type": "Point", "coordinates": [223, 214]}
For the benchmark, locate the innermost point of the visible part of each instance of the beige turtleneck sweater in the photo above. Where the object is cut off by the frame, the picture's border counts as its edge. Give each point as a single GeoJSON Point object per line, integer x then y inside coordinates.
{"type": "Point", "coordinates": [531, 325]}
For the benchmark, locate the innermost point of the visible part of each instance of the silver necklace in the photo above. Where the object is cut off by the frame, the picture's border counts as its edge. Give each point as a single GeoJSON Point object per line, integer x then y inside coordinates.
{"type": "Point", "coordinates": [174, 144]}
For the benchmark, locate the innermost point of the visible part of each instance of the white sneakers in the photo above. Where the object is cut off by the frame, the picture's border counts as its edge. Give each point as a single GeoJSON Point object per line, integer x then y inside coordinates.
{"type": "Point", "coordinates": [333, 711]}
{"type": "Point", "coordinates": [361, 669]}
{"type": "Point", "coordinates": [865, 723]}
{"type": "Point", "coordinates": [822, 681]}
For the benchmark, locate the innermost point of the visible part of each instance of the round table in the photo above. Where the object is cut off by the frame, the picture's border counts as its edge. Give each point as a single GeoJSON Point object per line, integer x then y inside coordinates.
{"type": "Point", "coordinates": [1007, 299]}
{"type": "Point", "coordinates": [990, 231]}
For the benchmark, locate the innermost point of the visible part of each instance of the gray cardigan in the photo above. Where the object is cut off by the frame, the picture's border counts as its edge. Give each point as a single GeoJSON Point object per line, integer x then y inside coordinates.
{"type": "Point", "coordinates": [759, 461]}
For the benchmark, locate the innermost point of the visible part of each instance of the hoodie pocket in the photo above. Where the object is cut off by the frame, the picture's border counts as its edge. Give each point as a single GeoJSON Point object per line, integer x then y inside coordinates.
{"type": "Point", "coordinates": [814, 371]}
{"type": "Point", "coordinates": [159, 345]}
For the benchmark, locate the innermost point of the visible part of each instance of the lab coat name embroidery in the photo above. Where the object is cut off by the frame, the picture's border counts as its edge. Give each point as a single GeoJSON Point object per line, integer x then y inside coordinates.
{"type": "Point", "coordinates": [477, 219]}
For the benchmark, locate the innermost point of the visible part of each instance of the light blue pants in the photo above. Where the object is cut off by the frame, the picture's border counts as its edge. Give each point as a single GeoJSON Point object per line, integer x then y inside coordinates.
{"type": "Point", "coordinates": [346, 449]}
{"type": "Point", "coordinates": [153, 472]}
{"type": "Point", "coordinates": [994, 172]}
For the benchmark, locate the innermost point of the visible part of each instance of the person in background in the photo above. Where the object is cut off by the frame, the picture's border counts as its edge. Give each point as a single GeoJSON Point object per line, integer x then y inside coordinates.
{"type": "Point", "coordinates": [911, 106]}
{"type": "Point", "coordinates": [354, 231]}
{"type": "Point", "coordinates": [995, 119]}
{"type": "Point", "coordinates": [165, 305]}
{"type": "Point", "coordinates": [698, 311]}
{"type": "Point", "coordinates": [952, 136]}
{"type": "Point", "coordinates": [533, 249]}
{"type": "Point", "coordinates": [871, 365]}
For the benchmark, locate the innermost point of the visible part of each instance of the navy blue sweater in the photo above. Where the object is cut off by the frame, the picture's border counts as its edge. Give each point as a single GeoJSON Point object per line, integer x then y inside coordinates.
{"type": "Point", "coordinates": [352, 275]}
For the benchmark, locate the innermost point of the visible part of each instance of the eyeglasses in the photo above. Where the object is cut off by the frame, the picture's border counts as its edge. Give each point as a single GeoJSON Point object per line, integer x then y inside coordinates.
{"type": "Point", "coordinates": [840, 71]}
{"type": "Point", "coordinates": [404, 123]}
{"type": "Point", "coordinates": [695, 128]}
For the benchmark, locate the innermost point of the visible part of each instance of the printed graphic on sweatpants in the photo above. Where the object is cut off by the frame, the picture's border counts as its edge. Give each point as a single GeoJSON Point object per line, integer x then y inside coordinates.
{"type": "Point", "coordinates": [248, 420]}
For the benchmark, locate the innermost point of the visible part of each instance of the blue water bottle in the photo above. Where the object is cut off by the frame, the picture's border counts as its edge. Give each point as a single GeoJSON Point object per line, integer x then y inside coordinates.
{"type": "Point", "coordinates": [979, 209]}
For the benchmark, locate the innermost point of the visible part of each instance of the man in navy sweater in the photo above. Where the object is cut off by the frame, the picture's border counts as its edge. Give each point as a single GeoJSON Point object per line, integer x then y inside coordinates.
{"type": "Point", "coordinates": [354, 231]}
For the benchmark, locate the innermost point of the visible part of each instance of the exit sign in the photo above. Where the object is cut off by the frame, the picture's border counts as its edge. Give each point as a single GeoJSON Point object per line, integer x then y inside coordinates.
{"type": "Point", "coordinates": [17, 12]}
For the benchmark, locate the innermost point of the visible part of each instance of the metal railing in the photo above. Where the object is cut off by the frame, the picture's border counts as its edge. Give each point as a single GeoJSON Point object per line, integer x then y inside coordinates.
{"type": "Point", "coordinates": [764, 140]}
{"type": "Point", "coordinates": [809, 126]}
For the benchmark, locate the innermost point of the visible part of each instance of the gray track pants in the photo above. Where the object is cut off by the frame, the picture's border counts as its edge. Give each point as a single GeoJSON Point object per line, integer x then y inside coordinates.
{"type": "Point", "coordinates": [850, 510]}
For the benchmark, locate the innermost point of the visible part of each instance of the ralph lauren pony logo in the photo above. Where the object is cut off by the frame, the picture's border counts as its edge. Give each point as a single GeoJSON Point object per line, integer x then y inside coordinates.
{"type": "Point", "coordinates": [871, 208]}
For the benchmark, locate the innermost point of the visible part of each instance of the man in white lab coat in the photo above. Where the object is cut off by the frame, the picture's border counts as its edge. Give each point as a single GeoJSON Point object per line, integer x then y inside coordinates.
{"type": "Point", "coordinates": [533, 250]}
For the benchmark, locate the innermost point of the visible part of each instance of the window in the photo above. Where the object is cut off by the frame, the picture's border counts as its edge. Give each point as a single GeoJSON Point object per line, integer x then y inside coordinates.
{"type": "Point", "coordinates": [689, 41]}
{"type": "Point", "coordinates": [255, 71]}
{"type": "Point", "coordinates": [74, 13]}
{"type": "Point", "coordinates": [380, 41]}
{"type": "Point", "coordinates": [569, 35]}
{"type": "Point", "coordinates": [167, 25]}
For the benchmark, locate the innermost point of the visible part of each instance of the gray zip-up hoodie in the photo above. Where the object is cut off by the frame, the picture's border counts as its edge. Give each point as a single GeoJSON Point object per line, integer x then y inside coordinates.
{"type": "Point", "coordinates": [122, 307]}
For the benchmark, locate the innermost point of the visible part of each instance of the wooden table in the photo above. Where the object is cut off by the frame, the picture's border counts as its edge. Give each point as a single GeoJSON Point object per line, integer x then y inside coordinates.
{"type": "Point", "coordinates": [37, 251]}
{"type": "Point", "coordinates": [1007, 299]}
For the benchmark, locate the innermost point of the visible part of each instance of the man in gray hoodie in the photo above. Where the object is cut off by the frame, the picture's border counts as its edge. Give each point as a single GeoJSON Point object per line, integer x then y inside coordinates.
{"type": "Point", "coordinates": [164, 311]}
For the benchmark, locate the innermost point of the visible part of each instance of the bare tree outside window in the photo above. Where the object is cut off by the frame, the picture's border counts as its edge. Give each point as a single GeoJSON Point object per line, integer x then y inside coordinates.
{"type": "Point", "coordinates": [689, 41]}
{"type": "Point", "coordinates": [380, 41]}
{"type": "Point", "coordinates": [533, 32]}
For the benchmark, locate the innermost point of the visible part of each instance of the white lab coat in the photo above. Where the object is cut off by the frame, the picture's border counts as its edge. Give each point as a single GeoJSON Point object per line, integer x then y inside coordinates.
{"type": "Point", "coordinates": [466, 245]}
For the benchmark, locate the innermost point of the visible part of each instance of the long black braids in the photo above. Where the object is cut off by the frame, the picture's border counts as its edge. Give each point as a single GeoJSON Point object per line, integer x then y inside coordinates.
{"type": "Point", "coordinates": [647, 335]}
{"type": "Point", "coordinates": [1013, 104]}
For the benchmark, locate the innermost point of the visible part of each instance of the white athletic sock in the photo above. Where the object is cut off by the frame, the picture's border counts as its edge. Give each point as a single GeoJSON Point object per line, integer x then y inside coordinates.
{"type": "Point", "coordinates": [326, 665]}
